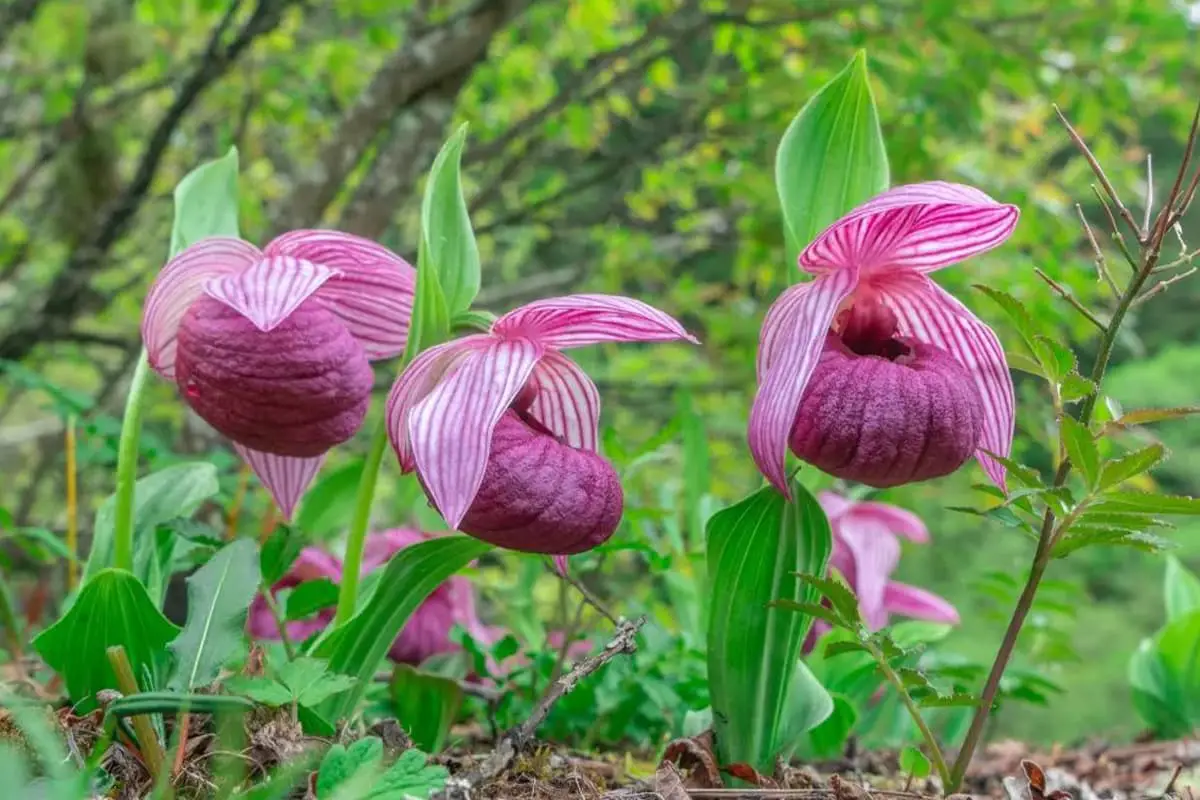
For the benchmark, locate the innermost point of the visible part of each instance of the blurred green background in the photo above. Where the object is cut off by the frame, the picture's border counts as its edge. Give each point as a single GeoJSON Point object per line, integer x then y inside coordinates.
{"type": "Point", "coordinates": [614, 146]}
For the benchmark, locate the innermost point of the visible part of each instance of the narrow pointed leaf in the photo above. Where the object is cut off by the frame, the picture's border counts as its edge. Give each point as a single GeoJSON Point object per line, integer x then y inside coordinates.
{"type": "Point", "coordinates": [1149, 503]}
{"type": "Point", "coordinates": [755, 548]}
{"type": "Point", "coordinates": [357, 647]}
{"type": "Point", "coordinates": [111, 609]}
{"type": "Point", "coordinates": [219, 595]}
{"type": "Point", "coordinates": [1081, 449]}
{"type": "Point", "coordinates": [1130, 465]}
{"type": "Point", "coordinates": [831, 158]}
{"type": "Point", "coordinates": [447, 239]}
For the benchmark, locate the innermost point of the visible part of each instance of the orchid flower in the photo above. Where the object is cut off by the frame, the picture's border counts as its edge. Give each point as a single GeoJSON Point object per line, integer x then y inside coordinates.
{"type": "Point", "coordinates": [502, 428]}
{"type": "Point", "coordinates": [271, 347]}
{"type": "Point", "coordinates": [866, 551]}
{"type": "Point", "coordinates": [427, 631]}
{"type": "Point", "coordinates": [871, 371]}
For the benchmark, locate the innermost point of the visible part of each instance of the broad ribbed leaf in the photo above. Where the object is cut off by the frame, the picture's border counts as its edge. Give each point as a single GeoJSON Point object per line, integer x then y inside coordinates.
{"type": "Point", "coordinates": [809, 705]}
{"type": "Point", "coordinates": [206, 202]}
{"type": "Point", "coordinates": [754, 550]}
{"type": "Point", "coordinates": [219, 595]}
{"type": "Point", "coordinates": [111, 609]}
{"type": "Point", "coordinates": [1181, 590]}
{"type": "Point", "coordinates": [831, 158]}
{"type": "Point", "coordinates": [1156, 692]}
{"type": "Point", "coordinates": [176, 491]}
{"type": "Point", "coordinates": [447, 240]}
{"type": "Point", "coordinates": [427, 705]}
{"type": "Point", "coordinates": [430, 323]}
{"type": "Point", "coordinates": [828, 740]}
{"type": "Point", "coordinates": [357, 647]}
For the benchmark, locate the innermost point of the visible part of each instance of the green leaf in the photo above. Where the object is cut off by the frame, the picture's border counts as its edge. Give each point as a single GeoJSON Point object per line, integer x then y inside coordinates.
{"type": "Point", "coordinates": [282, 780]}
{"type": "Point", "coordinates": [1081, 448]}
{"type": "Point", "coordinates": [1181, 590]}
{"type": "Point", "coordinates": [1148, 503]}
{"type": "Point", "coordinates": [219, 595]}
{"type": "Point", "coordinates": [755, 549]}
{"type": "Point", "coordinates": [1145, 416]}
{"type": "Point", "coordinates": [914, 762]}
{"type": "Point", "coordinates": [426, 703]}
{"type": "Point", "coordinates": [310, 680]}
{"type": "Point", "coordinates": [828, 740]}
{"type": "Point", "coordinates": [1178, 649]}
{"type": "Point", "coordinates": [1021, 318]}
{"type": "Point", "coordinates": [912, 632]}
{"type": "Point", "coordinates": [280, 550]}
{"type": "Point", "coordinates": [112, 608]}
{"type": "Point", "coordinates": [1055, 357]}
{"type": "Point", "coordinates": [1129, 465]}
{"type": "Point", "coordinates": [411, 776]}
{"type": "Point", "coordinates": [267, 691]}
{"type": "Point", "coordinates": [1075, 387]}
{"type": "Point", "coordinates": [357, 647]}
{"type": "Point", "coordinates": [809, 705]}
{"type": "Point", "coordinates": [206, 202]}
{"type": "Point", "coordinates": [158, 497]}
{"type": "Point", "coordinates": [814, 610]}
{"type": "Point", "coordinates": [310, 597]}
{"type": "Point", "coordinates": [839, 595]}
{"type": "Point", "coordinates": [954, 700]}
{"type": "Point", "coordinates": [831, 158]}
{"type": "Point", "coordinates": [843, 646]}
{"type": "Point", "coordinates": [328, 504]}
{"type": "Point", "coordinates": [176, 702]}
{"type": "Point", "coordinates": [340, 763]}
{"type": "Point", "coordinates": [447, 239]}
{"type": "Point", "coordinates": [430, 321]}
{"type": "Point", "coordinates": [1158, 693]}
{"type": "Point", "coordinates": [1081, 536]}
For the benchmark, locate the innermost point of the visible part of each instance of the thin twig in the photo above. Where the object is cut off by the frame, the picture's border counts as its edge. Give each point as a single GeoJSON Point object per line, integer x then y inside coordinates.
{"type": "Point", "coordinates": [1149, 191]}
{"type": "Point", "coordinates": [1101, 176]}
{"type": "Point", "coordinates": [1169, 215]}
{"type": "Point", "coordinates": [1102, 272]}
{"type": "Point", "coordinates": [588, 597]}
{"type": "Point", "coordinates": [273, 605]}
{"type": "Point", "coordinates": [1115, 229]}
{"type": "Point", "coordinates": [1065, 294]}
{"type": "Point", "coordinates": [624, 641]}
{"type": "Point", "coordinates": [1161, 287]}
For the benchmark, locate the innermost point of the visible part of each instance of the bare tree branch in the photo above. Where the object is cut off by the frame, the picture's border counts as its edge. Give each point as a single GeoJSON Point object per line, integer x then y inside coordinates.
{"type": "Point", "coordinates": [70, 293]}
{"type": "Point", "coordinates": [415, 69]}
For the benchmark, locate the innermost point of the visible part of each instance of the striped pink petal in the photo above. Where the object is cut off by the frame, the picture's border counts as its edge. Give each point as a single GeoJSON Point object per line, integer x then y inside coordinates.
{"type": "Point", "coordinates": [270, 290]}
{"type": "Point", "coordinates": [794, 338]}
{"type": "Point", "coordinates": [875, 553]}
{"type": "Point", "coordinates": [893, 519]}
{"type": "Point", "coordinates": [909, 601]}
{"type": "Point", "coordinates": [372, 295]}
{"type": "Point", "coordinates": [930, 314]}
{"type": "Point", "coordinates": [178, 285]}
{"type": "Point", "coordinates": [921, 227]}
{"type": "Point", "coordinates": [417, 381]}
{"type": "Point", "coordinates": [284, 477]}
{"type": "Point", "coordinates": [567, 401]}
{"type": "Point", "coordinates": [450, 431]}
{"type": "Point", "coordinates": [583, 319]}
{"type": "Point", "coordinates": [560, 565]}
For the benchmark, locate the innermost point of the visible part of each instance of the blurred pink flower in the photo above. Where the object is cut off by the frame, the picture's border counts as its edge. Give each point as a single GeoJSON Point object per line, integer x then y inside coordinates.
{"type": "Point", "coordinates": [866, 551]}
{"type": "Point", "coordinates": [501, 427]}
{"type": "Point", "coordinates": [272, 347]}
{"type": "Point", "coordinates": [427, 631]}
{"type": "Point", "coordinates": [871, 371]}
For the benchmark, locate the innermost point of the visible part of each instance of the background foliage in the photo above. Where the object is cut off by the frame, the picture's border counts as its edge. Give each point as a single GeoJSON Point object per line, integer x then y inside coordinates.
{"type": "Point", "coordinates": [623, 147]}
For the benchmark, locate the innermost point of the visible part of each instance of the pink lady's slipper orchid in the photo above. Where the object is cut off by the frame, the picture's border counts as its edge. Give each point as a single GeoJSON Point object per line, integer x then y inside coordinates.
{"type": "Point", "coordinates": [501, 427]}
{"type": "Point", "coordinates": [271, 347]}
{"type": "Point", "coordinates": [871, 371]}
{"type": "Point", "coordinates": [427, 631]}
{"type": "Point", "coordinates": [866, 551]}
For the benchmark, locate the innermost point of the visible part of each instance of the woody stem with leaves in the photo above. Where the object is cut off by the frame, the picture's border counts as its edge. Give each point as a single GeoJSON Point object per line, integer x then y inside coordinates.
{"type": "Point", "coordinates": [1103, 515]}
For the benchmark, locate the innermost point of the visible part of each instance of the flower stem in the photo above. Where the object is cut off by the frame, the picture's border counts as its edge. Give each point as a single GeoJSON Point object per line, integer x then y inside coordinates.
{"type": "Point", "coordinates": [127, 466]}
{"type": "Point", "coordinates": [935, 752]}
{"type": "Point", "coordinates": [356, 542]}
{"type": "Point", "coordinates": [280, 623]}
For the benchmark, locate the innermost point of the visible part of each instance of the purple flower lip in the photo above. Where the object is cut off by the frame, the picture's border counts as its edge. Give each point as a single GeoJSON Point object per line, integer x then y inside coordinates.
{"type": "Point", "coordinates": [884, 409]}
{"type": "Point", "coordinates": [873, 372]}
{"type": "Point", "coordinates": [296, 390]}
{"type": "Point", "coordinates": [502, 428]}
{"type": "Point", "coordinates": [540, 495]}
{"type": "Point", "coordinates": [271, 347]}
